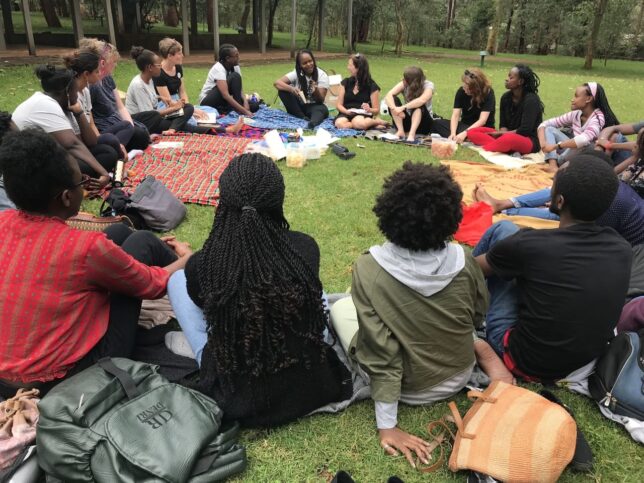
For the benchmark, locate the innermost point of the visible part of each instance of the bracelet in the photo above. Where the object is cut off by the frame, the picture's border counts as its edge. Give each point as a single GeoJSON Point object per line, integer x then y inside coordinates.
{"type": "Point", "coordinates": [609, 145]}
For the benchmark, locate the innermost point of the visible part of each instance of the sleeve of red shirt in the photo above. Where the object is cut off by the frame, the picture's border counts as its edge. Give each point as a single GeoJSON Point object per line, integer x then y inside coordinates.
{"type": "Point", "coordinates": [109, 267]}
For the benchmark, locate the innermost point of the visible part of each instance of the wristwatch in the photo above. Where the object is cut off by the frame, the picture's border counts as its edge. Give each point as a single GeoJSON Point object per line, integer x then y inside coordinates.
{"type": "Point", "coordinates": [559, 145]}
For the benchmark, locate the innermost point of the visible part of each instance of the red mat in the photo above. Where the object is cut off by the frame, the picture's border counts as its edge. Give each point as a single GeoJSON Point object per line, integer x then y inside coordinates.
{"type": "Point", "coordinates": [191, 172]}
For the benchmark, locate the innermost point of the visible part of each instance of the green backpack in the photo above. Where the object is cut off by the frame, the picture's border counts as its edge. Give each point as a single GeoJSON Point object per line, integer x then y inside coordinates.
{"type": "Point", "coordinates": [120, 420]}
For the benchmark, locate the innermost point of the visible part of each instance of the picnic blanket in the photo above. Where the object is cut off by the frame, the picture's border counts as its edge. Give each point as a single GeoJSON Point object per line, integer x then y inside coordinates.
{"type": "Point", "coordinates": [507, 161]}
{"type": "Point", "coordinates": [192, 171]}
{"type": "Point", "coordinates": [502, 183]}
{"type": "Point", "coordinates": [269, 118]}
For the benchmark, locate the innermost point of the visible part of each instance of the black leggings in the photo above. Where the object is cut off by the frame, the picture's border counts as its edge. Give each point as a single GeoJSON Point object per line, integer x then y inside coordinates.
{"type": "Point", "coordinates": [156, 123]}
{"type": "Point", "coordinates": [314, 113]}
{"type": "Point", "coordinates": [443, 127]}
{"type": "Point", "coordinates": [130, 136]}
{"type": "Point", "coordinates": [216, 100]}
{"type": "Point", "coordinates": [106, 157]}
{"type": "Point", "coordinates": [122, 327]}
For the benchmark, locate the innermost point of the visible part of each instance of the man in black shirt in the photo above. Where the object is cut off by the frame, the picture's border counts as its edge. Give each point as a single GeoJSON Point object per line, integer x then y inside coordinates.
{"type": "Point", "coordinates": [556, 295]}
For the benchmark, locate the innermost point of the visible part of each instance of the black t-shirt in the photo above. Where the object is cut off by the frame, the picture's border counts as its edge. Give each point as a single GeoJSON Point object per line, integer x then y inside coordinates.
{"type": "Point", "coordinates": [172, 82]}
{"type": "Point", "coordinates": [572, 285]}
{"type": "Point", "coordinates": [525, 116]}
{"type": "Point", "coordinates": [471, 113]}
{"type": "Point", "coordinates": [355, 101]}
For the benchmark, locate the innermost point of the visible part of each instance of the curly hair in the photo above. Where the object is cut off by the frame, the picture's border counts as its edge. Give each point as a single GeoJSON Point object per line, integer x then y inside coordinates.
{"type": "Point", "coordinates": [104, 50]}
{"type": "Point", "coordinates": [35, 167]}
{"type": "Point", "coordinates": [5, 124]}
{"type": "Point", "coordinates": [419, 207]}
{"type": "Point", "coordinates": [415, 79]}
{"type": "Point", "coordinates": [478, 85]}
{"type": "Point", "coordinates": [259, 293]}
{"type": "Point", "coordinates": [225, 51]}
{"type": "Point", "coordinates": [530, 80]}
{"type": "Point", "coordinates": [55, 80]}
{"type": "Point", "coordinates": [588, 186]}
{"type": "Point", "coordinates": [142, 57]}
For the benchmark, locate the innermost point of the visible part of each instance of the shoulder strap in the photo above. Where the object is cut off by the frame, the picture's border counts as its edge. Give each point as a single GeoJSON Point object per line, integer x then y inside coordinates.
{"type": "Point", "coordinates": [129, 386]}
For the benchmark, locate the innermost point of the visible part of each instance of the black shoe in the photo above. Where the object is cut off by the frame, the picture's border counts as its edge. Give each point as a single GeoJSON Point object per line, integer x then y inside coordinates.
{"type": "Point", "coordinates": [394, 479]}
{"type": "Point", "coordinates": [582, 460]}
{"type": "Point", "coordinates": [342, 477]}
{"type": "Point", "coordinates": [342, 152]}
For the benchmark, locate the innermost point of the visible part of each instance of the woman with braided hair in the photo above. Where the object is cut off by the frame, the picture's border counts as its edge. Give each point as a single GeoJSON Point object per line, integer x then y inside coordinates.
{"type": "Point", "coordinates": [521, 113]}
{"type": "Point", "coordinates": [250, 304]}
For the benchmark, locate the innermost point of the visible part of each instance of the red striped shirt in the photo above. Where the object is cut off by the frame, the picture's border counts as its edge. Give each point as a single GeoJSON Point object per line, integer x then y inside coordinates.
{"type": "Point", "coordinates": [55, 284]}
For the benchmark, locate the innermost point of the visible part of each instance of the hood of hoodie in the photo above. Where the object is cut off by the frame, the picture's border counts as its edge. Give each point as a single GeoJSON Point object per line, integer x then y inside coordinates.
{"type": "Point", "coordinates": [426, 272]}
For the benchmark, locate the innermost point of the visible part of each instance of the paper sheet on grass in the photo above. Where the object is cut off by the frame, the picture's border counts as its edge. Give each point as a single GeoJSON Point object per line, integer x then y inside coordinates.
{"type": "Point", "coordinates": [502, 183]}
{"type": "Point", "coordinates": [507, 161]}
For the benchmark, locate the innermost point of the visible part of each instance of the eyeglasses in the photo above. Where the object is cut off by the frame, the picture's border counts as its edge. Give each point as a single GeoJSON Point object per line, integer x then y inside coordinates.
{"type": "Point", "coordinates": [85, 179]}
{"type": "Point", "coordinates": [469, 74]}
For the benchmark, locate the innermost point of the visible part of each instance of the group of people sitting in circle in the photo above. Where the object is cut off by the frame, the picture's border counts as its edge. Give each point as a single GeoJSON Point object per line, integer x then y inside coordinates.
{"type": "Point", "coordinates": [251, 303]}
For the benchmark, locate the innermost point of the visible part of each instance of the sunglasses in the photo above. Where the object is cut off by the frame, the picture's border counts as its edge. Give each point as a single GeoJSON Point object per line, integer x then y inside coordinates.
{"type": "Point", "coordinates": [85, 179]}
{"type": "Point", "coordinates": [469, 74]}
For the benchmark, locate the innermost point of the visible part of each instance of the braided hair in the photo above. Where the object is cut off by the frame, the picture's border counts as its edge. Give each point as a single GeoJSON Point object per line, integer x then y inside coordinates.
{"type": "Point", "coordinates": [600, 102]}
{"type": "Point", "coordinates": [259, 293]}
{"type": "Point", "coordinates": [301, 76]}
{"type": "Point", "coordinates": [531, 81]}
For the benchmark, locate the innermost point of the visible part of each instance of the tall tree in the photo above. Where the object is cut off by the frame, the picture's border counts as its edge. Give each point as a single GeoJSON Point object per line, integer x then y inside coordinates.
{"type": "Point", "coordinates": [400, 26]}
{"type": "Point", "coordinates": [49, 11]}
{"type": "Point", "coordinates": [243, 21]}
{"type": "Point", "coordinates": [594, 32]}
{"type": "Point", "coordinates": [272, 5]}
{"type": "Point", "coordinates": [499, 13]}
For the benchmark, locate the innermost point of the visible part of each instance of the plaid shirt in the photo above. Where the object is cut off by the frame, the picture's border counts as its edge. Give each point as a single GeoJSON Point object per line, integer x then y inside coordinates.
{"type": "Point", "coordinates": [55, 283]}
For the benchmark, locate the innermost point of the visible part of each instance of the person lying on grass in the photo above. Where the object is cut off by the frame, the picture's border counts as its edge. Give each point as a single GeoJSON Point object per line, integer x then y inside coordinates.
{"type": "Point", "coordinates": [521, 112]}
{"type": "Point", "coordinates": [250, 304]}
{"type": "Point", "coordinates": [142, 101]}
{"type": "Point", "coordinates": [625, 213]}
{"type": "Point", "coordinates": [556, 295]}
{"type": "Point", "coordinates": [70, 297]}
{"type": "Point", "coordinates": [474, 106]}
{"type": "Point", "coordinates": [415, 303]}
{"type": "Point", "coordinates": [303, 90]}
{"type": "Point", "coordinates": [589, 113]}
{"type": "Point", "coordinates": [415, 115]}
{"type": "Point", "coordinates": [358, 100]}
{"type": "Point", "coordinates": [612, 140]}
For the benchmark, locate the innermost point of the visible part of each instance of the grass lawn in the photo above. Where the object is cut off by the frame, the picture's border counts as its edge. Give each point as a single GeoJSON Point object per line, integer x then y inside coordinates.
{"type": "Point", "coordinates": [331, 199]}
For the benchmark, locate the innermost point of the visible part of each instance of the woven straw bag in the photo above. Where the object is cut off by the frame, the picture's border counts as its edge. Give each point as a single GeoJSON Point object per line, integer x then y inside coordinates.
{"type": "Point", "coordinates": [511, 434]}
{"type": "Point", "coordinates": [88, 222]}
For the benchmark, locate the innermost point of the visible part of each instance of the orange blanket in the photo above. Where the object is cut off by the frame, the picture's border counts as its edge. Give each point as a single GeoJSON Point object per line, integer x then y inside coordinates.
{"type": "Point", "coordinates": [502, 183]}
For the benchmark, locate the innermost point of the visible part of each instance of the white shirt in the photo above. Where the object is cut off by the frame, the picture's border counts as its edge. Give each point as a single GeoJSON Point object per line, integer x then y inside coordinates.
{"type": "Point", "coordinates": [426, 85]}
{"type": "Point", "coordinates": [85, 100]}
{"type": "Point", "coordinates": [141, 96]}
{"type": "Point", "coordinates": [217, 72]}
{"type": "Point", "coordinates": [323, 83]}
{"type": "Point", "coordinates": [43, 112]}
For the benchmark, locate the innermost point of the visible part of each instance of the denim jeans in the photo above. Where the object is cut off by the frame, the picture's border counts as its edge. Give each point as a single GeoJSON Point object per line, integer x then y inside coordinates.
{"type": "Point", "coordinates": [554, 136]}
{"type": "Point", "coordinates": [532, 204]}
{"type": "Point", "coordinates": [5, 202]}
{"type": "Point", "coordinates": [503, 312]}
{"type": "Point", "coordinates": [621, 155]}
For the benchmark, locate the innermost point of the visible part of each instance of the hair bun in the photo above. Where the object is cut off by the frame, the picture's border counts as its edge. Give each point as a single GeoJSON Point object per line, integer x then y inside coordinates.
{"type": "Point", "coordinates": [136, 51]}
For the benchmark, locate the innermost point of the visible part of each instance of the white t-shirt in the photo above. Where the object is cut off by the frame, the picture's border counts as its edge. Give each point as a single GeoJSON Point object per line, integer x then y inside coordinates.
{"type": "Point", "coordinates": [426, 85]}
{"type": "Point", "coordinates": [141, 96]}
{"type": "Point", "coordinates": [323, 83]}
{"type": "Point", "coordinates": [217, 72]}
{"type": "Point", "coordinates": [44, 112]}
{"type": "Point", "coordinates": [85, 100]}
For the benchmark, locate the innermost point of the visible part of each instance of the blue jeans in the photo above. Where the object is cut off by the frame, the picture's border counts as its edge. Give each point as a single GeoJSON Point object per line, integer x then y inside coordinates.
{"type": "Point", "coordinates": [503, 312]}
{"type": "Point", "coordinates": [191, 318]}
{"type": "Point", "coordinates": [621, 155]}
{"type": "Point", "coordinates": [554, 136]}
{"type": "Point", "coordinates": [532, 204]}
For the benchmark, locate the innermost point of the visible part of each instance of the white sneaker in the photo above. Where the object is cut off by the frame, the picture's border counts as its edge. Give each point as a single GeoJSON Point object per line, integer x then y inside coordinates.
{"type": "Point", "coordinates": [177, 343]}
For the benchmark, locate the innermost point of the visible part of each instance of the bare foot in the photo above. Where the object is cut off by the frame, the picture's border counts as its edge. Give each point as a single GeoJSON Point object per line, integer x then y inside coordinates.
{"type": "Point", "coordinates": [169, 132]}
{"type": "Point", "coordinates": [549, 168]}
{"type": "Point", "coordinates": [235, 128]}
{"type": "Point", "coordinates": [400, 134]}
{"type": "Point", "coordinates": [479, 194]}
{"type": "Point", "coordinates": [492, 364]}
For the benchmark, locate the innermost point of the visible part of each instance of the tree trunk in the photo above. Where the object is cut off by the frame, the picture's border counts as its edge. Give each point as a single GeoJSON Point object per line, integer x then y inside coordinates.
{"type": "Point", "coordinates": [7, 19]}
{"type": "Point", "coordinates": [508, 27]}
{"type": "Point", "coordinates": [49, 11]}
{"type": "Point", "coordinates": [494, 31]}
{"type": "Point", "coordinates": [210, 15]}
{"type": "Point", "coordinates": [594, 32]}
{"type": "Point", "coordinates": [313, 23]}
{"type": "Point", "coordinates": [256, 17]}
{"type": "Point", "coordinates": [194, 20]}
{"type": "Point", "coordinates": [400, 26]}
{"type": "Point", "coordinates": [243, 21]}
{"type": "Point", "coordinates": [451, 13]}
{"type": "Point", "coordinates": [171, 17]}
{"type": "Point", "coordinates": [521, 44]}
{"type": "Point", "coordinates": [271, 20]}
{"type": "Point", "coordinates": [63, 8]}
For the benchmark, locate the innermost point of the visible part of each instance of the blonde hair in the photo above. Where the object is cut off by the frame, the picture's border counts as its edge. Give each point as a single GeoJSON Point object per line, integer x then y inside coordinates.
{"type": "Point", "coordinates": [169, 46]}
{"type": "Point", "coordinates": [478, 85]}
{"type": "Point", "coordinates": [104, 50]}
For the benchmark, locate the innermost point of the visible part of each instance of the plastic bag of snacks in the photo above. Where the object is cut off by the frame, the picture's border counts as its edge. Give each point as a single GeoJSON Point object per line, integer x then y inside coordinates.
{"type": "Point", "coordinates": [295, 155]}
{"type": "Point", "coordinates": [443, 148]}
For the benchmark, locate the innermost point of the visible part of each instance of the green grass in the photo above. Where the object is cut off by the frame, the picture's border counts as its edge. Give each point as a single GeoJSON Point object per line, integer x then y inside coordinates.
{"type": "Point", "coordinates": [331, 199]}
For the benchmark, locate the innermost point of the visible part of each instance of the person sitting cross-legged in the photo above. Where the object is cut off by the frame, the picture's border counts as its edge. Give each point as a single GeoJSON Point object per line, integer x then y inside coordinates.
{"type": "Point", "coordinates": [70, 297]}
{"type": "Point", "coordinates": [556, 295]}
{"type": "Point", "coordinates": [415, 302]}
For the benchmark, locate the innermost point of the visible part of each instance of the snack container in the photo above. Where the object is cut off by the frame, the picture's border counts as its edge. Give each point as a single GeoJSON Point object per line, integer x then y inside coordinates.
{"type": "Point", "coordinates": [443, 148]}
{"type": "Point", "coordinates": [295, 155]}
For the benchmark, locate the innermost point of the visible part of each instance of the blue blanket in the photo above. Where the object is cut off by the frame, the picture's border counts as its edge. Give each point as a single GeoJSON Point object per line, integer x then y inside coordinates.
{"type": "Point", "coordinates": [269, 118]}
